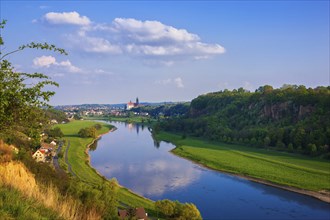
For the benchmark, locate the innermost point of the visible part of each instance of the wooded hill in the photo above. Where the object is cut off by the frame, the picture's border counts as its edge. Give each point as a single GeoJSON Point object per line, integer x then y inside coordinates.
{"type": "Point", "coordinates": [291, 118]}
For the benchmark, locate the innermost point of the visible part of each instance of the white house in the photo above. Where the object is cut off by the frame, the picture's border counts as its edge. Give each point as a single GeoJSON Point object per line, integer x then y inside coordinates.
{"type": "Point", "coordinates": [40, 155]}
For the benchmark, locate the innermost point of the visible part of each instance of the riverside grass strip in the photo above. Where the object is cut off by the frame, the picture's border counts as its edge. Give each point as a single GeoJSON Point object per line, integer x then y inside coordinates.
{"type": "Point", "coordinates": [277, 167]}
{"type": "Point", "coordinates": [80, 165]}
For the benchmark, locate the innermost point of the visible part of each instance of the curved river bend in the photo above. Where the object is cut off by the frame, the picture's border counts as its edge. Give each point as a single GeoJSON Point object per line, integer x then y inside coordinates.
{"type": "Point", "coordinates": [131, 156]}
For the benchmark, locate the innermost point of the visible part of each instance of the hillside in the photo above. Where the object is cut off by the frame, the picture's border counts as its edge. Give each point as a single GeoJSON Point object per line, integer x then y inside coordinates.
{"type": "Point", "coordinates": [23, 196]}
{"type": "Point", "coordinates": [291, 118]}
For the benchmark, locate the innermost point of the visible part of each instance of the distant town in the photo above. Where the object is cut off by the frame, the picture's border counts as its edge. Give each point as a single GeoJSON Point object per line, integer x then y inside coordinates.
{"type": "Point", "coordinates": [122, 109]}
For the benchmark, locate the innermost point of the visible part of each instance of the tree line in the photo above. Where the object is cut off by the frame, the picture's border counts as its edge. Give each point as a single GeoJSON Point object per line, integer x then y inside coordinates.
{"type": "Point", "coordinates": [292, 118]}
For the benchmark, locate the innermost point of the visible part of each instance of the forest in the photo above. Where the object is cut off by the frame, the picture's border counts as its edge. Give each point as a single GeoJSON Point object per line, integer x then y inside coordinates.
{"type": "Point", "coordinates": [291, 118]}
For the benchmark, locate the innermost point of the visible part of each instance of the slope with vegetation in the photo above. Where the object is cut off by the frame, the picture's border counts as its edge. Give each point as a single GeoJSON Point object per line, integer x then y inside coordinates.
{"type": "Point", "coordinates": [23, 196]}
{"type": "Point", "coordinates": [31, 190]}
{"type": "Point", "coordinates": [291, 118]}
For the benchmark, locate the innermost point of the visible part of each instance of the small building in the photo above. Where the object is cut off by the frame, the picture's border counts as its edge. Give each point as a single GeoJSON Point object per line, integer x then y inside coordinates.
{"type": "Point", "coordinates": [53, 121]}
{"type": "Point", "coordinates": [53, 143]}
{"type": "Point", "coordinates": [40, 155]}
{"type": "Point", "coordinates": [131, 104]}
{"type": "Point", "coordinates": [46, 146]}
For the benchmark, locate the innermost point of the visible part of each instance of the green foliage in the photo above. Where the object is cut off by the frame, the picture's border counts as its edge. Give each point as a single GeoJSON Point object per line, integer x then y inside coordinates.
{"type": "Point", "coordinates": [269, 117]}
{"type": "Point", "coordinates": [97, 126]}
{"type": "Point", "coordinates": [88, 132]}
{"type": "Point", "coordinates": [56, 114]}
{"type": "Point", "coordinates": [22, 95]}
{"type": "Point", "coordinates": [166, 207]}
{"type": "Point", "coordinates": [177, 210]}
{"type": "Point", "coordinates": [54, 132]}
{"type": "Point", "coordinates": [167, 110]}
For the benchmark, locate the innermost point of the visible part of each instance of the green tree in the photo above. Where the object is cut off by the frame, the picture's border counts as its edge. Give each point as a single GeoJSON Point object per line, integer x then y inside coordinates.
{"type": "Point", "coordinates": [21, 100]}
{"type": "Point", "coordinates": [266, 141]}
{"type": "Point", "coordinates": [55, 133]}
{"type": "Point", "coordinates": [166, 207]}
{"type": "Point", "coordinates": [312, 149]}
{"type": "Point", "coordinates": [88, 132]}
{"type": "Point", "coordinates": [189, 212]}
{"type": "Point", "coordinates": [97, 126]}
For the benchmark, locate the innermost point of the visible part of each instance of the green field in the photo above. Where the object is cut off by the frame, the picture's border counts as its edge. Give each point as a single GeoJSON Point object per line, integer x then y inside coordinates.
{"type": "Point", "coordinates": [78, 160]}
{"type": "Point", "coordinates": [277, 167]}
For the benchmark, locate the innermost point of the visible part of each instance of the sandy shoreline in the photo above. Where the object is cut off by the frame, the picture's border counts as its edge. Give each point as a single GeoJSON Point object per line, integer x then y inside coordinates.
{"type": "Point", "coordinates": [321, 195]}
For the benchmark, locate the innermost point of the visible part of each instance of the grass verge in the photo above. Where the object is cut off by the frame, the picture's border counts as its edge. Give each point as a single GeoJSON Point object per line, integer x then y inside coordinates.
{"type": "Point", "coordinates": [276, 167]}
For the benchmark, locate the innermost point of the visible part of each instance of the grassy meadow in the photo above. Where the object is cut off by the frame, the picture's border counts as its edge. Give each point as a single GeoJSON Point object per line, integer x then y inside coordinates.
{"type": "Point", "coordinates": [277, 167]}
{"type": "Point", "coordinates": [78, 160]}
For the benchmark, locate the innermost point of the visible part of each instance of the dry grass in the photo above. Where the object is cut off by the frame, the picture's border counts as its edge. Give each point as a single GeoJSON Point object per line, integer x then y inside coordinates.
{"type": "Point", "coordinates": [6, 152]}
{"type": "Point", "coordinates": [15, 174]}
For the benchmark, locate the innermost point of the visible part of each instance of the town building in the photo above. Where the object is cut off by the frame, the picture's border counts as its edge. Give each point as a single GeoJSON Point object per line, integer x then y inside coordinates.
{"type": "Point", "coordinates": [131, 105]}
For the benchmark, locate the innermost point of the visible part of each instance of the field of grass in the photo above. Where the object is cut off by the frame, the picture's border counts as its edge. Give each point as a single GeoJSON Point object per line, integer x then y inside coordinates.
{"type": "Point", "coordinates": [277, 167]}
{"type": "Point", "coordinates": [78, 160]}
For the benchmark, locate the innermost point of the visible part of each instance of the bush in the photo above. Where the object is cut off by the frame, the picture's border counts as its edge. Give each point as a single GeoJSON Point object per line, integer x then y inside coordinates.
{"type": "Point", "coordinates": [87, 132]}
{"type": "Point", "coordinates": [177, 210]}
{"type": "Point", "coordinates": [97, 126]}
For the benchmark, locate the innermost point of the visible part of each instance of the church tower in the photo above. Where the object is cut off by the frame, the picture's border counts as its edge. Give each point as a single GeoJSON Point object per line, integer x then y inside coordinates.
{"type": "Point", "coordinates": [137, 101]}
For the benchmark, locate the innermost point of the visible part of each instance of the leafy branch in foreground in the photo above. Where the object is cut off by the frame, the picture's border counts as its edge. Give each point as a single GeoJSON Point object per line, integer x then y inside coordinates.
{"type": "Point", "coordinates": [22, 94]}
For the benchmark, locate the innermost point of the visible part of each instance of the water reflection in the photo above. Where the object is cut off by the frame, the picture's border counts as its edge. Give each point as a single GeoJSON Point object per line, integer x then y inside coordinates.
{"type": "Point", "coordinates": [93, 146]}
{"type": "Point", "coordinates": [140, 163]}
{"type": "Point", "coordinates": [153, 178]}
{"type": "Point", "coordinates": [136, 127]}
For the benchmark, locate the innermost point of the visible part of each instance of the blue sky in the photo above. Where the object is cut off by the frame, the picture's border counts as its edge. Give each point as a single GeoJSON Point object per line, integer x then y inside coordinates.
{"type": "Point", "coordinates": [169, 50]}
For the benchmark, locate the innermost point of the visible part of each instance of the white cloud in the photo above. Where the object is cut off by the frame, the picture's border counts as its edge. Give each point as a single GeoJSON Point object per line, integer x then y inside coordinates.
{"type": "Point", "coordinates": [44, 61]}
{"type": "Point", "coordinates": [95, 44]}
{"type": "Point", "coordinates": [178, 82]}
{"type": "Point", "coordinates": [152, 38]}
{"type": "Point", "coordinates": [67, 64]}
{"type": "Point", "coordinates": [48, 61]}
{"type": "Point", "coordinates": [151, 31]}
{"type": "Point", "coordinates": [132, 37]}
{"type": "Point", "coordinates": [67, 18]}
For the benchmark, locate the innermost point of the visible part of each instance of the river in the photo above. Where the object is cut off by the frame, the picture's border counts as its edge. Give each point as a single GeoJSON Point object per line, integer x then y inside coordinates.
{"type": "Point", "coordinates": [148, 168]}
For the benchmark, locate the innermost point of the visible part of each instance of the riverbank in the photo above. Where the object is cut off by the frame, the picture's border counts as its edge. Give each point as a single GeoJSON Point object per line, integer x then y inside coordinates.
{"type": "Point", "coordinates": [282, 170]}
{"type": "Point", "coordinates": [78, 157]}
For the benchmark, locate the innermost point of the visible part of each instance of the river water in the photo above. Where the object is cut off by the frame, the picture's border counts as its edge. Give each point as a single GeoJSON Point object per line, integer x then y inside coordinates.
{"type": "Point", "coordinates": [148, 168]}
